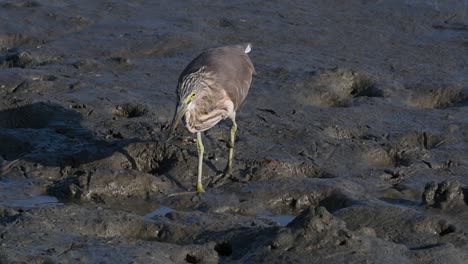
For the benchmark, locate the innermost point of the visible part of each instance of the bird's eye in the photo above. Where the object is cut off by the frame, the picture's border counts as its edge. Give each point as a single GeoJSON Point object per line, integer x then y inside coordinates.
{"type": "Point", "coordinates": [190, 97]}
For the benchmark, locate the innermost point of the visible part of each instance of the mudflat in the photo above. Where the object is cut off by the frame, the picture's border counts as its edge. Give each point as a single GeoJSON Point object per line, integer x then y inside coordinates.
{"type": "Point", "coordinates": [352, 145]}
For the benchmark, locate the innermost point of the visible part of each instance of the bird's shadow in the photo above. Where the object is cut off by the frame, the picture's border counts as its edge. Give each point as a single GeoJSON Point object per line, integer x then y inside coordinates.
{"type": "Point", "coordinates": [51, 135]}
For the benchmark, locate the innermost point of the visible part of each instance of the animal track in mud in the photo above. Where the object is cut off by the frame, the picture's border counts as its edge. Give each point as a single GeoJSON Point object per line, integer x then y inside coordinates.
{"type": "Point", "coordinates": [17, 39]}
{"type": "Point", "coordinates": [335, 88]}
{"type": "Point", "coordinates": [331, 200]}
{"type": "Point", "coordinates": [434, 225]}
{"type": "Point", "coordinates": [190, 258]}
{"type": "Point", "coordinates": [422, 139]}
{"type": "Point", "coordinates": [122, 61]}
{"type": "Point", "coordinates": [269, 169]}
{"type": "Point", "coordinates": [437, 96]}
{"type": "Point", "coordinates": [223, 248]}
{"type": "Point", "coordinates": [155, 158]}
{"type": "Point", "coordinates": [87, 65]}
{"type": "Point", "coordinates": [410, 148]}
{"type": "Point", "coordinates": [446, 229]}
{"type": "Point", "coordinates": [23, 59]}
{"type": "Point", "coordinates": [129, 110]}
{"type": "Point", "coordinates": [290, 195]}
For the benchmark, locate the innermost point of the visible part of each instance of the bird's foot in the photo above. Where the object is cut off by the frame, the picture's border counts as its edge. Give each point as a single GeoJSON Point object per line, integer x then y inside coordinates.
{"type": "Point", "coordinates": [183, 193]}
{"type": "Point", "coordinates": [194, 193]}
{"type": "Point", "coordinates": [199, 191]}
{"type": "Point", "coordinates": [221, 178]}
{"type": "Point", "coordinates": [200, 188]}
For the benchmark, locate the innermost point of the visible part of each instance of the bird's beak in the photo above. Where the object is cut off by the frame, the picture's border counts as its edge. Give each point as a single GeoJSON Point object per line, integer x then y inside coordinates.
{"type": "Point", "coordinates": [180, 112]}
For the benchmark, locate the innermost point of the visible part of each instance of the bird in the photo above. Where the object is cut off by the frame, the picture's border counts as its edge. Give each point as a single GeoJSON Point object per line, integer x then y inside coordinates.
{"type": "Point", "coordinates": [211, 88]}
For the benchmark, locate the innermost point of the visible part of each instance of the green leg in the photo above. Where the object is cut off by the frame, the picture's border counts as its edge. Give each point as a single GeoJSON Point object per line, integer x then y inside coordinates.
{"type": "Point", "coordinates": [200, 149]}
{"type": "Point", "coordinates": [223, 177]}
{"type": "Point", "coordinates": [231, 147]}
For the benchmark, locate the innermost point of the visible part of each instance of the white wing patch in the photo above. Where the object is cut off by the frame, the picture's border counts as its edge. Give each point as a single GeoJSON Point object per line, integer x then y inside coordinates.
{"type": "Point", "coordinates": [248, 48]}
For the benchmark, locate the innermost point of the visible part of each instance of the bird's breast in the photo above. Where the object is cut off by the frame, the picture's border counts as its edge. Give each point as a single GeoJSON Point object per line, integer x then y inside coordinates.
{"type": "Point", "coordinates": [199, 117]}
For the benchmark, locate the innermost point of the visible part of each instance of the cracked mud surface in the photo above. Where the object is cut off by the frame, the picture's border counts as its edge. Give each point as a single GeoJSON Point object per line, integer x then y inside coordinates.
{"type": "Point", "coordinates": [352, 145]}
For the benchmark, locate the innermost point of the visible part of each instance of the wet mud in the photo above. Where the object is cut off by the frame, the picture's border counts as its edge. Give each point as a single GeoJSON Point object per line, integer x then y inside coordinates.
{"type": "Point", "coordinates": [352, 144]}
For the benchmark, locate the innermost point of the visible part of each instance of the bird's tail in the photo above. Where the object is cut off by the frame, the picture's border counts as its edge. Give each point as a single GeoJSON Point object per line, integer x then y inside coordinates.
{"type": "Point", "coordinates": [246, 47]}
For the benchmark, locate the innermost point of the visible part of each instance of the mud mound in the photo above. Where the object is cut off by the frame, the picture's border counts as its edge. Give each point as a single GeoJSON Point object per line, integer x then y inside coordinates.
{"type": "Point", "coordinates": [314, 233]}
{"type": "Point", "coordinates": [408, 226]}
{"type": "Point", "coordinates": [445, 195]}
{"type": "Point", "coordinates": [311, 226]}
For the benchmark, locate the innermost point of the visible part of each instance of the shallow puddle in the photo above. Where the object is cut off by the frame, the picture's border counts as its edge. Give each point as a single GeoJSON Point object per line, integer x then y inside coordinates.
{"type": "Point", "coordinates": [19, 193]}
{"type": "Point", "coordinates": [281, 220]}
{"type": "Point", "coordinates": [35, 201]}
{"type": "Point", "coordinates": [161, 211]}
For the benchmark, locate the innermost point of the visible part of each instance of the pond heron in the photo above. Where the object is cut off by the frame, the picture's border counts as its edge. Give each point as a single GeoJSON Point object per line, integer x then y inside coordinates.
{"type": "Point", "coordinates": [211, 88]}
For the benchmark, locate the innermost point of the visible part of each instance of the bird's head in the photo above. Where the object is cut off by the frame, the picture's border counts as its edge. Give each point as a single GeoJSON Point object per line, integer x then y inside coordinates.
{"type": "Point", "coordinates": [187, 91]}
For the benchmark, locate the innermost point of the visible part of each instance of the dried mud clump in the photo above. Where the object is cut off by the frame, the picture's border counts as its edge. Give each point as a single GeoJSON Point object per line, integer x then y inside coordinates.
{"type": "Point", "coordinates": [445, 195]}
{"type": "Point", "coordinates": [335, 88]}
{"type": "Point", "coordinates": [315, 233]}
